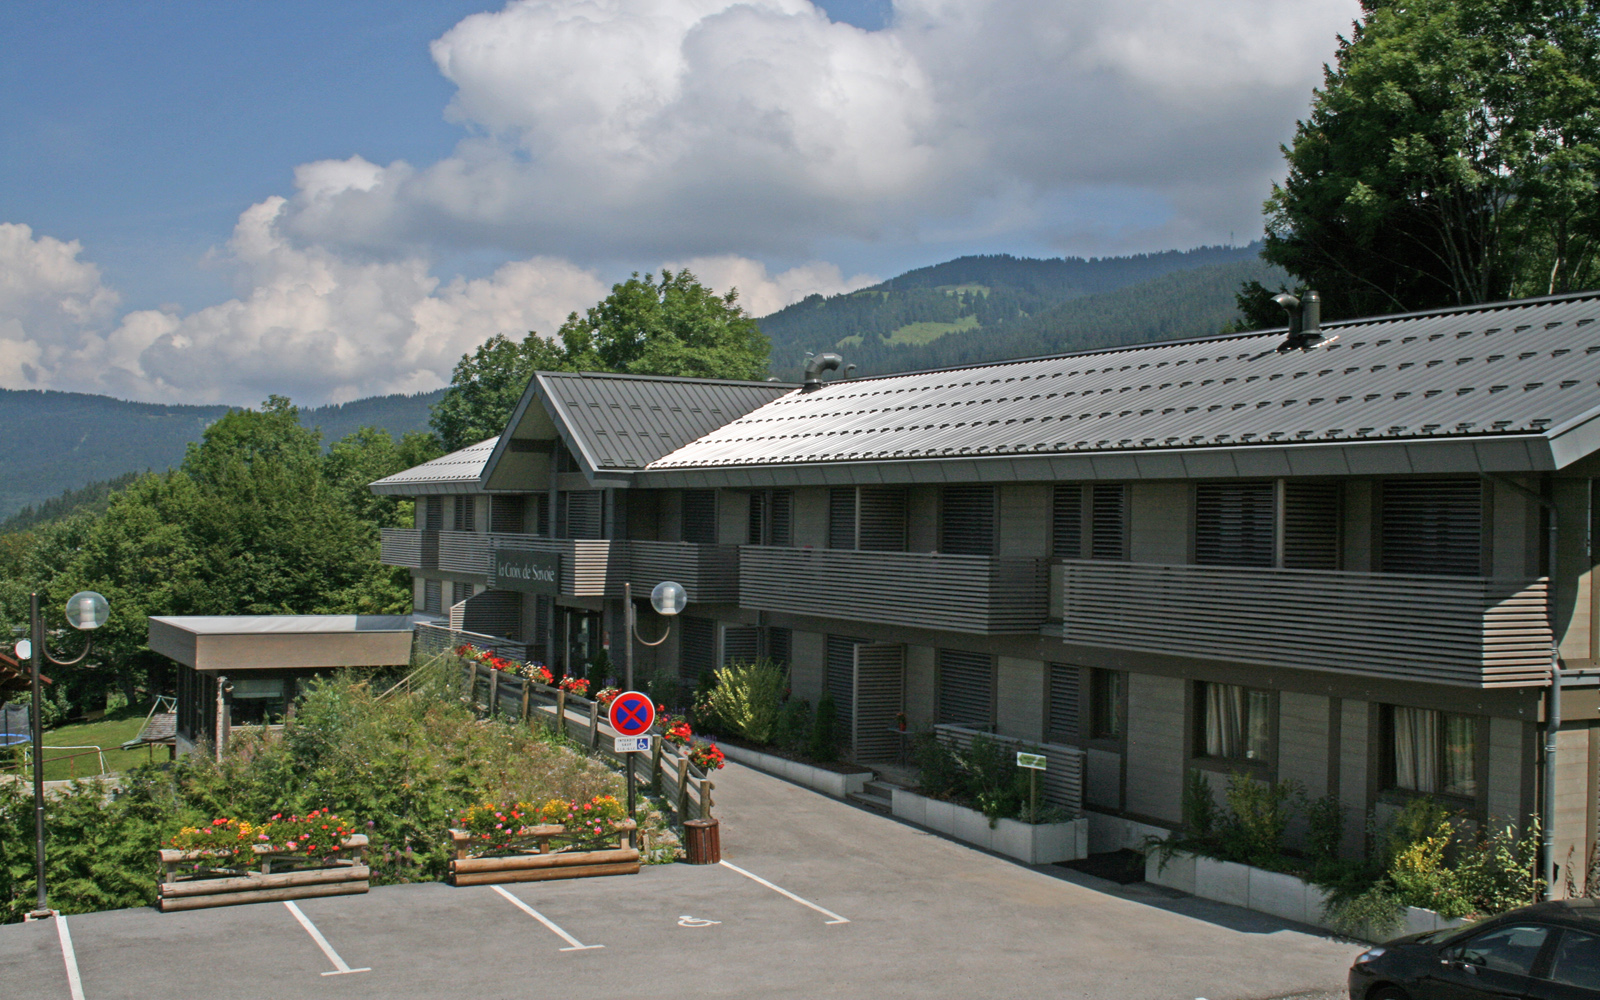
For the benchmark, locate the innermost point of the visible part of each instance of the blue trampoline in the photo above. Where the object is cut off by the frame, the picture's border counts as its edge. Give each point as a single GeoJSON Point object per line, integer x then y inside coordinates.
{"type": "Point", "coordinates": [13, 739]}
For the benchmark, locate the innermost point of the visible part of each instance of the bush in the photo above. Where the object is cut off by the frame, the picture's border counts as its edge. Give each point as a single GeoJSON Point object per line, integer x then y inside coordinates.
{"type": "Point", "coordinates": [1260, 812]}
{"type": "Point", "coordinates": [748, 699]}
{"type": "Point", "coordinates": [1200, 814]}
{"type": "Point", "coordinates": [939, 771]}
{"type": "Point", "coordinates": [823, 745]}
{"type": "Point", "coordinates": [794, 725]}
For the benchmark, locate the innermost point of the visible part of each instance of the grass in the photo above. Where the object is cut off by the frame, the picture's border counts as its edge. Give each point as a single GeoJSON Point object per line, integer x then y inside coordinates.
{"type": "Point", "coordinates": [108, 733]}
{"type": "Point", "coordinates": [923, 333]}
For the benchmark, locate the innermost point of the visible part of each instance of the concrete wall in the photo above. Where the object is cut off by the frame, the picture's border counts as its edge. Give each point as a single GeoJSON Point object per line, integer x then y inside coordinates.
{"type": "Point", "coordinates": [922, 518]}
{"type": "Point", "coordinates": [1574, 589]}
{"type": "Point", "coordinates": [1024, 521]}
{"type": "Point", "coordinates": [1020, 698]}
{"type": "Point", "coordinates": [1505, 770]}
{"type": "Point", "coordinates": [1155, 746]}
{"type": "Point", "coordinates": [811, 517]}
{"type": "Point", "coordinates": [669, 523]}
{"type": "Point", "coordinates": [1354, 752]}
{"type": "Point", "coordinates": [1357, 501]}
{"type": "Point", "coordinates": [1158, 523]}
{"type": "Point", "coordinates": [733, 517]}
{"type": "Point", "coordinates": [1574, 802]}
{"type": "Point", "coordinates": [807, 664]}
{"type": "Point", "coordinates": [921, 690]}
{"type": "Point", "coordinates": [1513, 547]}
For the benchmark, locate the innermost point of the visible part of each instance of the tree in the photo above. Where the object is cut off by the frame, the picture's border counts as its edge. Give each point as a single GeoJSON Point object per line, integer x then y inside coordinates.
{"type": "Point", "coordinates": [1452, 156]}
{"type": "Point", "coordinates": [670, 326]}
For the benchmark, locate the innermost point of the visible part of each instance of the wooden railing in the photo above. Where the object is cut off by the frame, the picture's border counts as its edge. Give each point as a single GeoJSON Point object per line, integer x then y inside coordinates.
{"type": "Point", "coordinates": [955, 593]}
{"type": "Point", "coordinates": [414, 548]}
{"type": "Point", "coordinates": [710, 573]}
{"type": "Point", "coordinates": [1451, 630]}
{"type": "Point", "coordinates": [679, 784]}
{"type": "Point", "coordinates": [1061, 783]}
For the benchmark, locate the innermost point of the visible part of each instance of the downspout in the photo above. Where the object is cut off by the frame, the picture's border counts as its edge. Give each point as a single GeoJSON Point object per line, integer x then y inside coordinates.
{"type": "Point", "coordinates": [1552, 712]}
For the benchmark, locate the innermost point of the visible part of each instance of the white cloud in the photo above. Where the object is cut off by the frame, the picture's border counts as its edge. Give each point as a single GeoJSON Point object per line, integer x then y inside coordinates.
{"type": "Point", "coordinates": [762, 294]}
{"type": "Point", "coordinates": [704, 127]}
{"type": "Point", "coordinates": [50, 303]}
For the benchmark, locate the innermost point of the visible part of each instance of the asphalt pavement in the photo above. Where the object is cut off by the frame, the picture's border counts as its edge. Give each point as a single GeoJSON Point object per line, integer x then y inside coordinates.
{"type": "Point", "coordinates": [817, 898]}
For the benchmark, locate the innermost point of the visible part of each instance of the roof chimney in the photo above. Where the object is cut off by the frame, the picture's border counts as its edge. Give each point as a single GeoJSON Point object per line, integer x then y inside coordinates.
{"type": "Point", "coordinates": [1305, 320]}
{"type": "Point", "coordinates": [816, 366]}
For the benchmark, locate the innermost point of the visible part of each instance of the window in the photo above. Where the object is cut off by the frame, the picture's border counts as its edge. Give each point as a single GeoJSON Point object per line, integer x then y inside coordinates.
{"type": "Point", "coordinates": [967, 520]}
{"type": "Point", "coordinates": [1504, 949]}
{"type": "Point", "coordinates": [1433, 526]}
{"type": "Point", "coordinates": [1234, 524]}
{"type": "Point", "coordinates": [771, 517]}
{"type": "Point", "coordinates": [1238, 723]}
{"type": "Point", "coordinates": [1431, 752]}
{"type": "Point", "coordinates": [740, 644]}
{"type": "Point", "coordinates": [842, 518]}
{"type": "Point", "coordinates": [1065, 679]}
{"type": "Point", "coordinates": [433, 513]}
{"type": "Point", "coordinates": [433, 597]}
{"type": "Point", "coordinates": [1106, 717]}
{"type": "Point", "coordinates": [1066, 523]}
{"type": "Point", "coordinates": [839, 678]}
{"type": "Point", "coordinates": [1108, 522]}
{"type": "Point", "coordinates": [505, 514]}
{"type": "Point", "coordinates": [697, 647]}
{"type": "Point", "coordinates": [1577, 960]}
{"type": "Point", "coordinates": [871, 518]}
{"type": "Point", "coordinates": [1311, 525]}
{"type": "Point", "coordinates": [465, 513]}
{"type": "Point", "coordinates": [258, 701]}
{"type": "Point", "coordinates": [700, 516]}
{"type": "Point", "coordinates": [580, 514]}
{"type": "Point", "coordinates": [966, 688]}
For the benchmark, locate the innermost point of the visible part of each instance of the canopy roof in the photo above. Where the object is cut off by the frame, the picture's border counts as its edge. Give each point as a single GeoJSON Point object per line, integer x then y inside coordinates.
{"type": "Point", "coordinates": [268, 642]}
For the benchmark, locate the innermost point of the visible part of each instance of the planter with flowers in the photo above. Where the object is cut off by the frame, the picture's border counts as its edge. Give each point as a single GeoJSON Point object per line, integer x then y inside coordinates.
{"type": "Point", "coordinates": [522, 842]}
{"type": "Point", "coordinates": [230, 861]}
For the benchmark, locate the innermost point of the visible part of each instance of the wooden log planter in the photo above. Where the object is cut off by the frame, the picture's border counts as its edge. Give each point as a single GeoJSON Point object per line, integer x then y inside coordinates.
{"type": "Point", "coordinates": [341, 873]}
{"type": "Point", "coordinates": [545, 864]}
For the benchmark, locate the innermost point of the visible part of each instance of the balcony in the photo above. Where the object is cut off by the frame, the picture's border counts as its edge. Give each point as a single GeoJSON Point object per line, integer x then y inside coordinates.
{"type": "Point", "coordinates": [976, 594]}
{"type": "Point", "coordinates": [1469, 631]}
{"type": "Point", "coordinates": [710, 573]}
{"type": "Point", "coordinates": [413, 548]}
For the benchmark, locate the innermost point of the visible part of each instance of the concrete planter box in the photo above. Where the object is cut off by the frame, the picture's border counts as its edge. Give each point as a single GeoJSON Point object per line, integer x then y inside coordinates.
{"type": "Point", "coordinates": [1034, 843]}
{"type": "Point", "coordinates": [818, 779]}
{"type": "Point", "coordinates": [1273, 893]}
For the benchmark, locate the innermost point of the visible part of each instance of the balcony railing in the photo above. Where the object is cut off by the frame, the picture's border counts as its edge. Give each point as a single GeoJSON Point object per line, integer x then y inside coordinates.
{"type": "Point", "coordinates": [976, 594]}
{"type": "Point", "coordinates": [414, 548]}
{"type": "Point", "coordinates": [710, 573]}
{"type": "Point", "coordinates": [1450, 630]}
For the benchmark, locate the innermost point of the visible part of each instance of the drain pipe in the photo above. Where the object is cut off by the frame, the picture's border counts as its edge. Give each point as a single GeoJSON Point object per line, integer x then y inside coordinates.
{"type": "Point", "coordinates": [1552, 711]}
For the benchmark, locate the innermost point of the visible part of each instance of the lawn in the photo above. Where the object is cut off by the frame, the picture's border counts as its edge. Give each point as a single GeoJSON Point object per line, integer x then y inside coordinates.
{"type": "Point", "coordinates": [108, 734]}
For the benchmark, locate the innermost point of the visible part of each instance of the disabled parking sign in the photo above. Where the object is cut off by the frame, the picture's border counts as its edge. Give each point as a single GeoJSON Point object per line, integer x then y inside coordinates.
{"type": "Point", "coordinates": [632, 713]}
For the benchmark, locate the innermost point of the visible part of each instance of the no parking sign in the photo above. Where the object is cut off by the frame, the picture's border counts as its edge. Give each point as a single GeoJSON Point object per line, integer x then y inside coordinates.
{"type": "Point", "coordinates": [632, 713]}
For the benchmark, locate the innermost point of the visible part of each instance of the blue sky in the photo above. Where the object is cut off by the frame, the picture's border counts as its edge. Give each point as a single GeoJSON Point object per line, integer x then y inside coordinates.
{"type": "Point", "coordinates": [209, 201]}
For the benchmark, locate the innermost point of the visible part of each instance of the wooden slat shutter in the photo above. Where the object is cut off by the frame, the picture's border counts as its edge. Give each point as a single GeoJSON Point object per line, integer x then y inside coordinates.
{"type": "Point", "coordinates": [1065, 702]}
{"type": "Point", "coordinates": [882, 519]}
{"type": "Point", "coordinates": [1311, 520]}
{"type": "Point", "coordinates": [466, 509]}
{"type": "Point", "coordinates": [879, 670]}
{"type": "Point", "coordinates": [1433, 526]}
{"type": "Point", "coordinates": [539, 504]}
{"type": "Point", "coordinates": [433, 597]}
{"type": "Point", "coordinates": [840, 679]}
{"type": "Point", "coordinates": [700, 516]}
{"type": "Point", "coordinates": [780, 518]}
{"type": "Point", "coordinates": [1066, 522]}
{"type": "Point", "coordinates": [842, 518]}
{"type": "Point", "coordinates": [581, 514]}
{"type": "Point", "coordinates": [1234, 524]}
{"type": "Point", "coordinates": [505, 514]}
{"type": "Point", "coordinates": [776, 643]}
{"type": "Point", "coordinates": [494, 612]}
{"type": "Point", "coordinates": [966, 688]}
{"type": "Point", "coordinates": [966, 520]}
{"type": "Point", "coordinates": [1108, 522]}
{"type": "Point", "coordinates": [433, 513]}
{"type": "Point", "coordinates": [740, 644]}
{"type": "Point", "coordinates": [697, 647]}
{"type": "Point", "coordinates": [756, 533]}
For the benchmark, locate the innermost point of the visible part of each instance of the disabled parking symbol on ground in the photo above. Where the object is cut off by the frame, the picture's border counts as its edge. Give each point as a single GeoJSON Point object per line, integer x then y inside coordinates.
{"type": "Point", "coordinates": [688, 921]}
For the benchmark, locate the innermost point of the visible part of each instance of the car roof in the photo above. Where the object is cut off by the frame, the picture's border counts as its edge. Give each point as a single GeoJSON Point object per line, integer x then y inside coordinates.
{"type": "Point", "coordinates": [1580, 912]}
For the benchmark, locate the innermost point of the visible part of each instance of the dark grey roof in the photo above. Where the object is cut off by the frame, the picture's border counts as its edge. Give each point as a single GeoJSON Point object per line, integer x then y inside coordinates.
{"type": "Point", "coordinates": [457, 472]}
{"type": "Point", "coordinates": [1526, 368]}
{"type": "Point", "coordinates": [160, 727]}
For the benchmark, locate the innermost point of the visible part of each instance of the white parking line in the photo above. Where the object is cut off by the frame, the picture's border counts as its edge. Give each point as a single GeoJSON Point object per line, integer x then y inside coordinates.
{"type": "Point", "coordinates": [535, 914]}
{"type": "Point", "coordinates": [834, 918]}
{"type": "Point", "coordinates": [74, 981]}
{"type": "Point", "coordinates": [339, 968]}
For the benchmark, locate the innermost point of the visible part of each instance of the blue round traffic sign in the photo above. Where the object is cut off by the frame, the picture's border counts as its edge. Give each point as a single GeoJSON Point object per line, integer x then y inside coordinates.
{"type": "Point", "coordinates": [632, 713]}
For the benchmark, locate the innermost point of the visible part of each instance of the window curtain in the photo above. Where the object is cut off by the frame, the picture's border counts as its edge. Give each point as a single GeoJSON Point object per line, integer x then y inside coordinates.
{"type": "Point", "coordinates": [1224, 720]}
{"type": "Point", "coordinates": [1257, 716]}
{"type": "Point", "coordinates": [1416, 749]}
{"type": "Point", "coordinates": [1460, 749]}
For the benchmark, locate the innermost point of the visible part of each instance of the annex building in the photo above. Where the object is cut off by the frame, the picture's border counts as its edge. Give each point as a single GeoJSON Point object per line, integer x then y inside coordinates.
{"type": "Point", "coordinates": [1344, 563]}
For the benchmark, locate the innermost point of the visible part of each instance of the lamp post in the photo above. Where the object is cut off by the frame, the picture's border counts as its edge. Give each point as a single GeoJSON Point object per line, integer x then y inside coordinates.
{"type": "Point", "coordinates": [668, 598]}
{"type": "Point", "coordinates": [85, 610]}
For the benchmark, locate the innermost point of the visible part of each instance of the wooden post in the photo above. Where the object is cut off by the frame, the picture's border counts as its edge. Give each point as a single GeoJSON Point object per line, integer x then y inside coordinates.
{"type": "Point", "coordinates": [525, 687]}
{"type": "Point", "coordinates": [472, 686]}
{"type": "Point", "coordinates": [594, 725]}
{"type": "Point", "coordinates": [655, 764]}
{"type": "Point", "coordinates": [706, 785]}
{"type": "Point", "coordinates": [561, 713]}
{"type": "Point", "coordinates": [683, 787]}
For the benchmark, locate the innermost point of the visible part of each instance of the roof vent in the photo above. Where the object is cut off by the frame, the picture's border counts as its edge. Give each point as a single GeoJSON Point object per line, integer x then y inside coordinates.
{"type": "Point", "coordinates": [1305, 321]}
{"type": "Point", "coordinates": [816, 366]}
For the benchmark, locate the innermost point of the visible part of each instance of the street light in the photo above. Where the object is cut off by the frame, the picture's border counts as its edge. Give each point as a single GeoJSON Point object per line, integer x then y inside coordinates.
{"type": "Point", "coordinates": [668, 598]}
{"type": "Point", "coordinates": [85, 610]}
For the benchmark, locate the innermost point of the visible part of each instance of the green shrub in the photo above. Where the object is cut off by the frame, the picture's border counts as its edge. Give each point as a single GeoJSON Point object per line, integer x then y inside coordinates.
{"type": "Point", "coordinates": [1421, 876]}
{"type": "Point", "coordinates": [794, 725]}
{"type": "Point", "coordinates": [823, 746]}
{"type": "Point", "coordinates": [748, 699]}
{"type": "Point", "coordinates": [994, 783]}
{"type": "Point", "coordinates": [1260, 813]}
{"type": "Point", "coordinates": [1200, 814]}
{"type": "Point", "coordinates": [1498, 873]}
{"type": "Point", "coordinates": [939, 771]}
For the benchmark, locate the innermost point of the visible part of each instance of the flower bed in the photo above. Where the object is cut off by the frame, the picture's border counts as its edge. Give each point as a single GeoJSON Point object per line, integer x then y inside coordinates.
{"type": "Point", "coordinates": [819, 779]}
{"type": "Point", "coordinates": [513, 842]}
{"type": "Point", "coordinates": [1034, 843]}
{"type": "Point", "coordinates": [296, 857]}
{"type": "Point", "coordinates": [1273, 893]}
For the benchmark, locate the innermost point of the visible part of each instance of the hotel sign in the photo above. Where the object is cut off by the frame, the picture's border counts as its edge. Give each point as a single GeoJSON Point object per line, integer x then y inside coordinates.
{"type": "Point", "coordinates": [530, 572]}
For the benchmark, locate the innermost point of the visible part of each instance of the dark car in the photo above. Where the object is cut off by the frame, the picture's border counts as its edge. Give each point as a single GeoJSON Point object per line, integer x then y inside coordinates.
{"type": "Point", "coordinates": [1548, 951]}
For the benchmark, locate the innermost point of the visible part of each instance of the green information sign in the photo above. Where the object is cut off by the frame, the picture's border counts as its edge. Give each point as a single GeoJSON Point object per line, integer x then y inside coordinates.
{"type": "Point", "coordinates": [1032, 761]}
{"type": "Point", "coordinates": [530, 572]}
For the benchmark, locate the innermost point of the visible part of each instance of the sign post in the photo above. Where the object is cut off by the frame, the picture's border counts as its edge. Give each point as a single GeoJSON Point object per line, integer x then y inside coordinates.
{"type": "Point", "coordinates": [632, 714]}
{"type": "Point", "coordinates": [1033, 763]}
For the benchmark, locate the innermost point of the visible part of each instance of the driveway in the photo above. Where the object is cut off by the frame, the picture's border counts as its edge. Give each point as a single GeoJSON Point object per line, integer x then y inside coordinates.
{"type": "Point", "coordinates": [817, 899]}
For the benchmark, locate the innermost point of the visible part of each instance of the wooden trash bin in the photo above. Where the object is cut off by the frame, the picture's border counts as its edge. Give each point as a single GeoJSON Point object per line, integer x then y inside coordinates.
{"type": "Point", "coordinates": [703, 841]}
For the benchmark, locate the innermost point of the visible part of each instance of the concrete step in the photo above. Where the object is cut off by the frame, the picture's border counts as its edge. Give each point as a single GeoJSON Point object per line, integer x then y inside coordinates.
{"type": "Point", "coordinates": [872, 800]}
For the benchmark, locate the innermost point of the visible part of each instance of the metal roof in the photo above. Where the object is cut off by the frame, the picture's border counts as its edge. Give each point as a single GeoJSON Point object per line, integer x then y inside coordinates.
{"type": "Point", "coordinates": [1525, 368]}
{"type": "Point", "coordinates": [625, 422]}
{"type": "Point", "coordinates": [285, 624]}
{"type": "Point", "coordinates": [457, 472]}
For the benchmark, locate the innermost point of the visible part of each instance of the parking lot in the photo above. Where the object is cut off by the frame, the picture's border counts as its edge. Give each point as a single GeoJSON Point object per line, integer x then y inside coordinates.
{"type": "Point", "coordinates": [816, 898]}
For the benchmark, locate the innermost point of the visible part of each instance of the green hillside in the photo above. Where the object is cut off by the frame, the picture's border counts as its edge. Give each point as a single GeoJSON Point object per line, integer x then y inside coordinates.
{"type": "Point", "coordinates": [56, 442]}
{"type": "Point", "coordinates": [988, 308]}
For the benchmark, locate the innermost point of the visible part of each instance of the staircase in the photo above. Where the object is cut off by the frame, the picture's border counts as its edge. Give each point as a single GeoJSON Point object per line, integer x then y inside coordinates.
{"type": "Point", "coordinates": [875, 795]}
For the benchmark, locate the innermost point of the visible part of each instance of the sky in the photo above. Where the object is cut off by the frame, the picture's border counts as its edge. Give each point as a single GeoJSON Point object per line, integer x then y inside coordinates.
{"type": "Point", "coordinates": [210, 203]}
